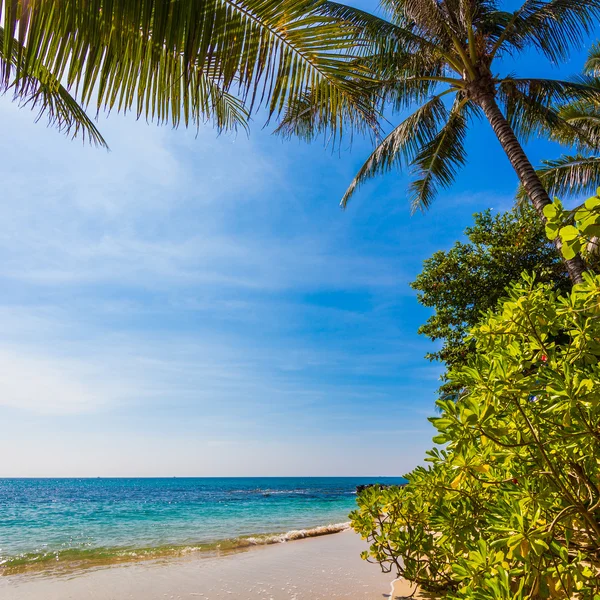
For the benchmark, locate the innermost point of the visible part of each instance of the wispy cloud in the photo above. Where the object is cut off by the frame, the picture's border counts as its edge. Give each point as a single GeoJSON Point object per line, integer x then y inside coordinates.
{"type": "Point", "coordinates": [204, 286]}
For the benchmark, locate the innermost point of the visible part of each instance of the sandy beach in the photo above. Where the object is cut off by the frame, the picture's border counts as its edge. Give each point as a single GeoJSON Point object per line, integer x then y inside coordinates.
{"type": "Point", "coordinates": [327, 567]}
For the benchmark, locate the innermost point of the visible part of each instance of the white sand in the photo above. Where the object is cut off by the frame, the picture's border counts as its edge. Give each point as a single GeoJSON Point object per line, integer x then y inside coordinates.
{"type": "Point", "coordinates": [323, 568]}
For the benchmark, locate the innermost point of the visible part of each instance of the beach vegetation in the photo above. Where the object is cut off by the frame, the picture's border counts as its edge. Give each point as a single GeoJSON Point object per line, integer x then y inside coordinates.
{"type": "Point", "coordinates": [509, 504]}
{"type": "Point", "coordinates": [578, 229]}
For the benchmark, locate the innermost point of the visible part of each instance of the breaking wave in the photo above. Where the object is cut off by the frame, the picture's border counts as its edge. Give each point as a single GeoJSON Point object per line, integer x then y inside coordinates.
{"type": "Point", "coordinates": [70, 560]}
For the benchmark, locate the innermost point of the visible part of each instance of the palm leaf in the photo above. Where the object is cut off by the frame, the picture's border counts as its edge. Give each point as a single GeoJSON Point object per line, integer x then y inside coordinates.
{"type": "Point", "coordinates": [400, 48]}
{"type": "Point", "coordinates": [150, 55]}
{"type": "Point", "coordinates": [402, 144]}
{"type": "Point", "coordinates": [592, 64]}
{"type": "Point", "coordinates": [377, 35]}
{"type": "Point", "coordinates": [554, 27]}
{"type": "Point", "coordinates": [440, 159]}
{"type": "Point", "coordinates": [301, 119]}
{"type": "Point", "coordinates": [553, 91]}
{"type": "Point", "coordinates": [427, 18]}
{"type": "Point", "coordinates": [571, 175]}
{"type": "Point", "coordinates": [531, 106]}
{"type": "Point", "coordinates": [226, 110]}
{"type": "Point", "coordinates": [583, 119]}
{"type": "Point", "coordinates": [41, 92]}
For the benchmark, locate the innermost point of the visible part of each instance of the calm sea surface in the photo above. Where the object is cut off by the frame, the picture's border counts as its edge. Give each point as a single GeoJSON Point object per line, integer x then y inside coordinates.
{"type": "Point", "coordinates": [44, 520]}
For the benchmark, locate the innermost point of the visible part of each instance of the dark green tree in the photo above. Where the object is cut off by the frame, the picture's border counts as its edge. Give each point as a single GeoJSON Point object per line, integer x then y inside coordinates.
{"type": "Point", "coordinates": [469, 279]}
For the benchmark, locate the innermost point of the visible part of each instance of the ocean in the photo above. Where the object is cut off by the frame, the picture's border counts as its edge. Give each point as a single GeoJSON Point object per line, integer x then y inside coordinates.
{"type": "Point", "coordinates": [52, 523]}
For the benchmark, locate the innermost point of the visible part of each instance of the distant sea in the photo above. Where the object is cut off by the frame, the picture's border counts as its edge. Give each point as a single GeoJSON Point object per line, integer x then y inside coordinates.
{"type": "Point", "coordinates": [55, 523]}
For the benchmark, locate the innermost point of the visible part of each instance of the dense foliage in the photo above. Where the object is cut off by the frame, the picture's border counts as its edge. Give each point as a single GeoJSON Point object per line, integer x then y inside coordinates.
{"type": "Point", "coordinates": [510, 507]}
{"type": "Point", "coordinates": [467, 280]}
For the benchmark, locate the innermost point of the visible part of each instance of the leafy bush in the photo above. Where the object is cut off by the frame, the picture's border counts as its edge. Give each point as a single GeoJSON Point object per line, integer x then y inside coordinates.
{"type": "Point", "coordinates": [510, 506]}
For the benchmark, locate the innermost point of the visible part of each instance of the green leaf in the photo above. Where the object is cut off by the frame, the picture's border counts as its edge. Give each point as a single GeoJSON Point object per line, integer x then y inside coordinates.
{"type": "Point", "coordinates": [592, 203]}
{"type": "Point", "coordinates": [568, 233]}
{"type": "Point", "coordinates": [591, 230]}
{"type": "Point", "coordinates": [552, 230]}
{"type": "Point", "coordinates": [550, 211]}
{"type": "Point", "coordinates": [568, 252]}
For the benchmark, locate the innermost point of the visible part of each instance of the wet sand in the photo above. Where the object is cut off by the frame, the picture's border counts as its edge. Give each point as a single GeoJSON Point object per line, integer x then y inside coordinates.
{"type": "Point", "coordinates": [322, 568]}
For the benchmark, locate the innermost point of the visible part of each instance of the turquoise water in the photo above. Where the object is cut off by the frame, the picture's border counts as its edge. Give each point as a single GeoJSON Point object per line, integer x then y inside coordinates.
{"type": "Point", "coordinates": [44, 520]}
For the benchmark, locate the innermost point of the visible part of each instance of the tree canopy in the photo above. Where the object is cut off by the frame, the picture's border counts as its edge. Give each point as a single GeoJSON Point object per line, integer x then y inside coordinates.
{"type": "Point", "coordinates": [461, 284]}
{"type": "Point", "coordinates": [425, 53]}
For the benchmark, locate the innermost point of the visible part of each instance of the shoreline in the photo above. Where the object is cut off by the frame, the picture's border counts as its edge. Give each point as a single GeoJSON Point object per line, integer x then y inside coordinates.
{"type": "Point", "coordinates": [71, 561]}
{"type": "Point", "coordinates": [326, 567]}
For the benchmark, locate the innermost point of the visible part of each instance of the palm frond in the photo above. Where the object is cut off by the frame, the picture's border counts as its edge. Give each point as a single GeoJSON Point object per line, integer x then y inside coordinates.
{"type": "Point", "coordinates": [388, 50]}
{"type": "Point", "coordinates": [227, 111]}
{"type": "Point", "coordinates": [548, 91]}
{"type": "Point", "coordinates": [425, 17]}
{"type": "Point", "coordinates": [412, 78]}
{"type": "Point", "coordinates": [301, 119]}
{"type": "Point", "coordinates": [592, 64]}
{"type": "Point", "coordinates": [151, 56]}
{"type": "Point", "coordinates": [528, 115]}
{"type": "Point", "coordinates": [401, 146]}
{"type": "Point", "coordinates": [375, 35]}
{"type": "Point", "coordinates": [531, 105]}
{"type": "Point", "coordinates": [554, 27]}
{"type": "Point", "coordinates": [440, 159]}
{"type": "Point", "coordinates": [583, 119]}
{"type": "Point", "coordinates": [41, 92]}
{"type": "Point", "coordinates": [570, 176]}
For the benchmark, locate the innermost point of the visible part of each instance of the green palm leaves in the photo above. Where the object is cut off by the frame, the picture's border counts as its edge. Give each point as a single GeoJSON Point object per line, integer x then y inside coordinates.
{"type": "Point", "coordinates": [322, 66]}
{"type": "Point", "coordinates": [571, 174]}
{"type": "Point", "coordinates": [185, 61]}
{"type": "Point", "coordinates": [42, 92]}
{"type": "Point", "coordinates": [431, 140]}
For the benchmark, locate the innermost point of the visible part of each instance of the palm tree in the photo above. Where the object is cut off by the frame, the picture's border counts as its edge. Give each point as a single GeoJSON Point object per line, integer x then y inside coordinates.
{"type": "Point", "coordinates": [179, 61]}
{"type": "Point", "coordinates": [429, 51]}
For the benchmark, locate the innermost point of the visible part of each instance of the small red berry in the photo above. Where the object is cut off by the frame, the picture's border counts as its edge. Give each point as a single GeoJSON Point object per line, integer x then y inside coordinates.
{"type": "Point", "coordinates": [515, 481]}
{"type": "Point", "coordinates": [544, 358]}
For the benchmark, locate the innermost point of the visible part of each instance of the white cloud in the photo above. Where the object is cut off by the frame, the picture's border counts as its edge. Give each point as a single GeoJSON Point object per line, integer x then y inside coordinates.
{"type": "Point", "coordinates": [45, 385]}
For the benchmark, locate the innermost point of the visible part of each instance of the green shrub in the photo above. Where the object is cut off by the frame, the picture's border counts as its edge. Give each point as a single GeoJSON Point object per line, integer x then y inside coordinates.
{"type": "Point", "coordinates": [509, 507]}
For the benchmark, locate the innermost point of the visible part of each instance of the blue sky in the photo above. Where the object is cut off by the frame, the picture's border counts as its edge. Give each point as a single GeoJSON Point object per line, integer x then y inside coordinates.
{"type": "Point", "coordinates": [199, 305]}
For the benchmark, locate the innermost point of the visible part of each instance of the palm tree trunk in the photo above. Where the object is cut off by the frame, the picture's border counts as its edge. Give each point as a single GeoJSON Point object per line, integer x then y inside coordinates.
{"type": "Point", "coordinates": [526, 173]}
